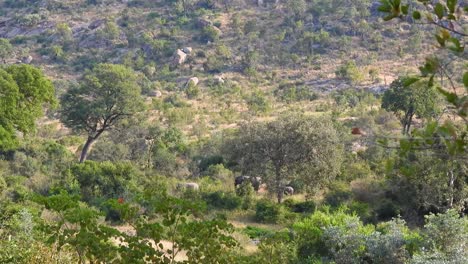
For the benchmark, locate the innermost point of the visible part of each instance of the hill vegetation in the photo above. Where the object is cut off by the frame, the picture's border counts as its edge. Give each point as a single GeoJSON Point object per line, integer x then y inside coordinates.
{"type": "Point", "coordinates": [217, 131]}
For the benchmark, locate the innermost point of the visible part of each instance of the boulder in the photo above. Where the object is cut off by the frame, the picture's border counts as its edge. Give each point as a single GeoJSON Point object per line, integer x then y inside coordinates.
{"type": "Point", "coordinates": [97, 23]}
{"type": "Point", "coordinates": [219, 79]}
{"type": "Point", "coordinates": [179, 57]}
{"type": "Point", "coordinates": [155, 93]}
{"type": "Point", "coordinates": [193, 80]}
{"type": "Point", "coordinates": [27, 59]}
{"type": "Point", "coordinates": [187, 50]}
{"type": "Point", "coordinates": [217, 30]}
{"type": "Point", "coordinates": [203, 22]}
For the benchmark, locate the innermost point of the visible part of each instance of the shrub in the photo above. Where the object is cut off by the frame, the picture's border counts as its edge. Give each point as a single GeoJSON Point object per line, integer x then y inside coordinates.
{"type": "Point", "coordinates": [387, 210]}
{"type": "Point", "coordinates": [103, 180]}
{"type": "Point", "coordinates": [247, 192]}
{"type": "Point", "coordinates": [310, 231]}
{"type": "Point", "coordinates": [269, 212]}
{"type": "Point", "coordinates": [210, 33]}
{"type": "Point", "coordinates": [206, 162]}
{"type": "Point", "coordinates": [192, 91]}
{"type": "Point", "coordinates": [257, 232]}
{"type": "Point", "coordinates": [222, 200]}
{"type": "Point", "coordinates": [339, 194]}
{"type": "Point", "coordinates": [219, 172]}
{"type": "Point", "coordinates": [258, 102]}
{"type": "Point", "coordinates": [300, 207]}
{"type": "Point", "coordinates": [350, 72]}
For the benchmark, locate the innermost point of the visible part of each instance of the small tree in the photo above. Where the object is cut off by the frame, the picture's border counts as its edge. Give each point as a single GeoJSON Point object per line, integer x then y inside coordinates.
{"type": "Point", "coordinates": [292, 146]}
{"type": "Point", "coordinates": [107, 95]}
{"type": "Point", "coordinates": [408, 97]}
{"type": "Point", "coordinates": [6, 49]}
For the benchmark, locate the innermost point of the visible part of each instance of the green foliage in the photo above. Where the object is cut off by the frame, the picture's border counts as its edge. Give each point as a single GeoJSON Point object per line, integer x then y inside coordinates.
{"type": "Point", "coordinates": [277, 248]}
{"type": "Point", "coordinates": [258, 102]}
{"type": "Point", "coordinates": [310, 231]}
{"type": "Point", "coordinates": [222, 200]}
{"type": "Point", "coordinates": [25, 91]}
{"type": "Point", "coordinates": [78, 228]}
{"type": "Point", "coordinates": [107, 95]}
{"type": "Point", "coordinates": [350, 72]}
{"type": "Point", "coordinates": [6, 49]}
{"type": "Point", "coordinates": [101, 181]}
{"type": "Point", "coordinates": [247, 192]}
{"type": "Point", "coordinates": [408, 97]}
{"type": "Point", "coordinates": [305, 207]}
{"type": "Point", "coordinates": [447, 234]}
{"type": "Point", "coordinates": [293, 93]}
{"type": "Point", "coordinates": [269, 212]}
{"type": "Point", "coordinates": [292, 145]}
{"type": "Point", "coordinates": [192, 91]}
{"type": "Point", "coordinates": [210, 33]}
{"type": "Point", "coordinates": [257, 232]}
{"type": "Point", "coordinates": [110, 32]}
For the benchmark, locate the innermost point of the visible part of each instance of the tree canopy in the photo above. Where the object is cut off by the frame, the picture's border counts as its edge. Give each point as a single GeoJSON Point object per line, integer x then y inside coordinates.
{"type": "Point", "coordinates": [408, 97]}
{"type": "Point", "coordinates": [288, 148]}
{"type": "Point", "coordinates": [106, 95]}
{"type": "Point", "coordinates": [24, 91]}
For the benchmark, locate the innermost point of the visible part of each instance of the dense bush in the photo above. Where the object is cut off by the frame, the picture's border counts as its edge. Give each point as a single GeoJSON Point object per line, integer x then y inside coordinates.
{"type": "Point", "coordinates": [267, 211]}
{"type": "Point", "coordinates": [222, 200]}
{"type": "Point", "coordinates": [100, 181]}
{"type": "Point", "coordinates": [305, 207]}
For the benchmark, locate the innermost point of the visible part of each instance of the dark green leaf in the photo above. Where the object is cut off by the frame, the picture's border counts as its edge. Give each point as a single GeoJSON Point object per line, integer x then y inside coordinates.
{"type": "Point", "coordinates": [439, 10]}
{"type": "Point", "coordinates": [409, 81]}
{"type": "Point", "coordinates": [451, 4]}
{"type": "Point", "coordinates": [440, 40]}
{"type": "Point", "coordinates": [404, 9]}
{"type": "Point", "coordinates": [451, 97]}
{"type": "Point", "coordinates": [465, 79]}
{"type": "Point", "coordinates": [416, 15]}
{"type": "Point", "coordinates": [456, 46]}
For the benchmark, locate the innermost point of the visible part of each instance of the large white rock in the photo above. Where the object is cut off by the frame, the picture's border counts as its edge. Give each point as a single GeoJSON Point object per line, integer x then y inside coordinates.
{"type": "Point", "coordinates": [193, 80]}
{"type": "Point", "coordinates": [187, 50]}
{"type": "Point", "coordinates": [179, 57]}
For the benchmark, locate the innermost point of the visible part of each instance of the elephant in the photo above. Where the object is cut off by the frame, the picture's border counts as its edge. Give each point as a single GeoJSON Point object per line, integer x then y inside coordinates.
{"type": "Point", "coordinates": [255, 181]}
{"type": "Point", "coordinates": [188, 186]}
{"type": "Point", "coordinates": [288, 190]}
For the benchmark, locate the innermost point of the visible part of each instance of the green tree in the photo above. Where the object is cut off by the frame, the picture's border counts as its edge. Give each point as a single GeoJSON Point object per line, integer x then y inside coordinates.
{"type": "Point", "coordinates": [408, 97]}
{"type": "Point", "coordinates": [6, 49]}
{"type": "Point", "coordinates": [287, 148]}
{"type": "Point", "coordinates": [106, 95]}
{"type": "Point", "coordinates": [24, 91]}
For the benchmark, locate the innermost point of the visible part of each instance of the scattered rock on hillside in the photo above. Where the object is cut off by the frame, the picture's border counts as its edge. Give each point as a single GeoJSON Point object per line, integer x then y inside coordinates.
{"type": "Point", "coordinates": [155, 93]}
{"type": "Point", "coordinates": [179, 57]}
{"type": "Point", "coordinates": [219, 79]}
{"type": "Point", "coordinates": [27, 59]}
{"type": "Point", "coordinates": [96, 24]}
{"type": "Point", "coordinates": [203, 22]}
{"type": "Point", "coordinates": [187, 50]}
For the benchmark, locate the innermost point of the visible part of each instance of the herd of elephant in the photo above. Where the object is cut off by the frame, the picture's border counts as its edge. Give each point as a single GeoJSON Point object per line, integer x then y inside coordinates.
{"type": "Point", "coordinates": [255, 181]}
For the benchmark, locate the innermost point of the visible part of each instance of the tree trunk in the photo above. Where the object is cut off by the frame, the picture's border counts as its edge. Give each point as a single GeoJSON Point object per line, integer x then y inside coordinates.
{"type": "Point", "coordinates": [451, 187]}
{"type": "Point", "coordinates": [279, 189]}
{"type": "Point", "coordinates": [86, 147]}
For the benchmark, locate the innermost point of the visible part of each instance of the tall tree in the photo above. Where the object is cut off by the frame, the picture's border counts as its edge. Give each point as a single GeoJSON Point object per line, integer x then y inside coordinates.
{"type": "Point", "coordinates": [106, 95]}
{"type": "Point", "coordinates": [289, 147]}
{"type": "Point", "coordinates": [409, 97]}
{"type": "Point", "coordinates": [24, 92]}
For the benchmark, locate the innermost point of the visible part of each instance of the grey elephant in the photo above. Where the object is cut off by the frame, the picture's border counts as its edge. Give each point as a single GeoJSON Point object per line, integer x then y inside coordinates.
{"type": "Point", "coordinates": [255, 181]}
{"type": "Point", "coordinates": [188, 186]}
{"type": "Point", "coordinates": [288, 190]}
